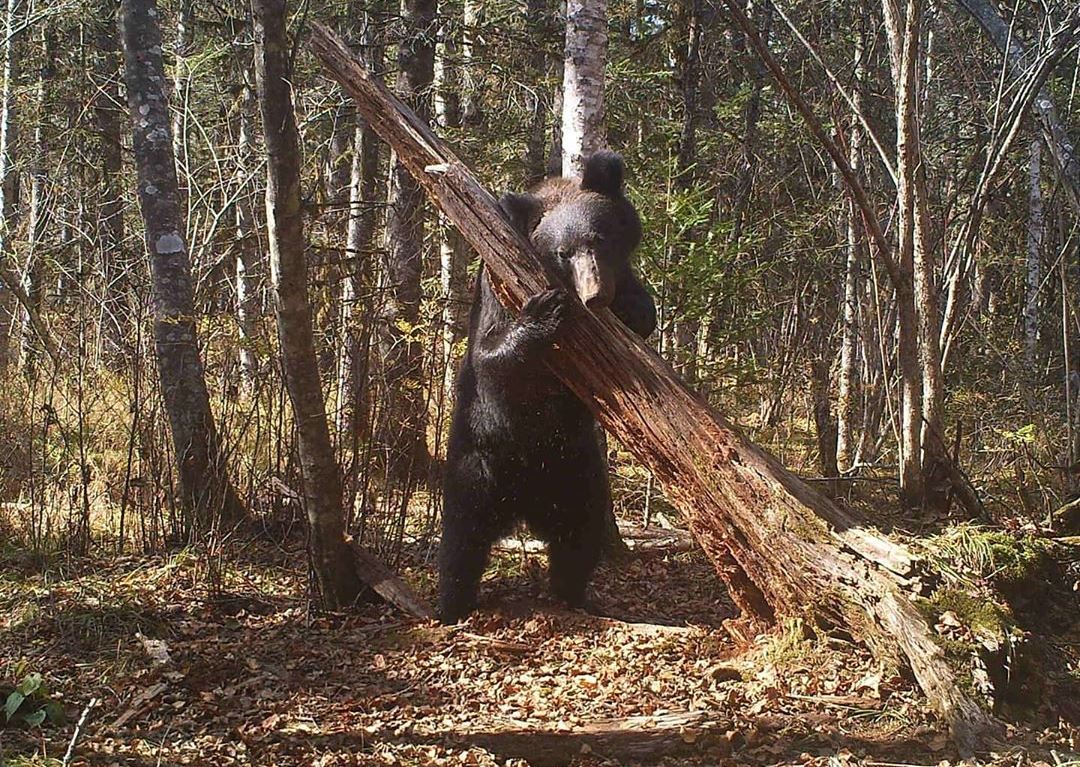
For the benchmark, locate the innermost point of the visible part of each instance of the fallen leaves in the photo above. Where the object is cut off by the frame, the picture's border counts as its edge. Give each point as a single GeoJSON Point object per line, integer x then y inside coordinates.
{"type": "Point", "coordinates": [251, 678]}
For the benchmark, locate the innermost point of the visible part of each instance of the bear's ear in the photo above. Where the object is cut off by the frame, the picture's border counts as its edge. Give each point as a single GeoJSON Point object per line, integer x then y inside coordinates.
{"type": "Point", "coordinates": [603, 173]}
{"type": "Point", "coordinates": [523, 210]}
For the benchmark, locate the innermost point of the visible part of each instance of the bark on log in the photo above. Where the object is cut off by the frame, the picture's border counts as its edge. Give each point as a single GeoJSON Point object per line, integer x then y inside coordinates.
{"type": "Point", "coordinates": [633, 739]}
{"type": "Point", "coordinates": [387, 584]}
{"type": "Point", "coordinates": [797, 551]}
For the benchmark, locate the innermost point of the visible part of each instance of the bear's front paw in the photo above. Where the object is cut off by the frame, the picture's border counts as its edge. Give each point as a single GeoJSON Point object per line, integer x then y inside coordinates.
{"type": "Point", "coordinates": [544, 313]}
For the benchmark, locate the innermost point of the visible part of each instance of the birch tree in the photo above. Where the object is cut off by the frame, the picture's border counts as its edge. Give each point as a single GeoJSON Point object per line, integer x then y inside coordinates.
{"type": "Point", "coordinates": [40, 204]}
{"type": "Point", "coordinates": [248, 256]}
{"type": "Point", "coordinates": [472, 102]}
{"type": "Point", "coordinates": [453, 253]}
{"type": "Point", "coordinates": [182, 44]}
{"type": "Point", "coordinates": [583, 130]}
{"type": "Point", "coordinates": [366, 186]}
{"type": "Point", "coordinates": [1033, 270]}
{"type": "Point", "coordinates": [205, 492]}
{"type": "Point", "coordinates": [8, 183]}
{"type": "Point", "coordinates": [848, 374]}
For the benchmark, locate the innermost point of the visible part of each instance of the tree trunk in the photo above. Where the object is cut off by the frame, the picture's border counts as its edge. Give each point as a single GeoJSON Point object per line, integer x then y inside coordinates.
{"type": "Point", "coordinates": [448, 77]}
{"type": "Point", "coordinates": [402, 426]}
{"type": "Point", "coordinates": [903, 34]}
{"type": "Point", "coordinates": [584, 132]}
{"type": "Point", "coordinates": [332, 561]}
{"type": "Point", "coordinates": [116, 308]}
{"type": "Point", "coordinates": [8, 181]}
{"type": "Point", "coordinates": [249, 259]}
{"type": "Point", "coordinates": [688, 63]}
{"type": "Point", "coordinates": [353, 365]}
{"type": "Point", "coordinates": [583, 129]}
{"type": "Point", "coordinates": [185, 36]}
{"type": "Point", "coordinates": [876, 370]}
{"type": "Point", "coordinates": [338, 164]}
{"type": "Point", "coordinates": [354, 418]}
{"type": "Point", "coordinates": [751, 114]}
{"type": "Point", "coordinates": [1033, 273]}
{"type": "Point", "coordinates": [472, 103]}
{"type": "Point", "coordinates": [204, 486]}
{"type": "Point", "coordinates": [824, 423]}
{"type": "Point", "coordinates": [849, 340]}
{"type": "Point", "coordinates": [453, 253]}
{"type": "Point", "coordinates": [796, 551]}
{"type": "Point", "coordinates": [33, 270]}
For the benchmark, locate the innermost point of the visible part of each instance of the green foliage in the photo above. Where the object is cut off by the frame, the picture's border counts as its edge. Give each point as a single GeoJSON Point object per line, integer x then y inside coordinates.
{"type": "Point", "coordinates": [29, 703]}
{"type": "Point", "coordinates": [970, 555]}
{"type": "Point", "coordinates": [1025, 435]}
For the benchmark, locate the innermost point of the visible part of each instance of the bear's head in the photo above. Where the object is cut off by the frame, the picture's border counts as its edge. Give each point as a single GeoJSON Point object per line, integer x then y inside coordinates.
{"type": "Point", "coordinates": [585, 227]}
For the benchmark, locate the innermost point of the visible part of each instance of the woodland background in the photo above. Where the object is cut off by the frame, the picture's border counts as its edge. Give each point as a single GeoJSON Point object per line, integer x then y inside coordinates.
{"type": "Point", "coordinates": [944, 404]}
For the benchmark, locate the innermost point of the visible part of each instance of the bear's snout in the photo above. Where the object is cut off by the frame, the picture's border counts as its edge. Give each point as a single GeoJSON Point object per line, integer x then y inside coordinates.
{"type": "Point", "coordinates": [592, 281]}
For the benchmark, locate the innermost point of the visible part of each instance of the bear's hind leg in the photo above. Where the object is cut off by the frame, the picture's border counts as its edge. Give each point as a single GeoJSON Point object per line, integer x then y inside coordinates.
{"type": "Point", "coordinates": [571, 561]}
{"type": "Point", "coordinates": [574, 526]}
{"type": "Point", "coordinates": [471, 522]}
{"type": "Point", "coordinates": [462, 559]}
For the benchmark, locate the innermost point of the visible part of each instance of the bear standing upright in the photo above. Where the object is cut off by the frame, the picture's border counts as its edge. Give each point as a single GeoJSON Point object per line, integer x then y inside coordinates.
{"type": "Point", "coordinates": [522, 446]}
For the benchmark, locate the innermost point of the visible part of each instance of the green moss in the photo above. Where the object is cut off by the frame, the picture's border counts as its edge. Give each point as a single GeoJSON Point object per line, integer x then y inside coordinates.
{"type": "Point", "coordinates": [968, 554]}
{"type": "Point", "coordinates": [985, 617]}
{"type": "Point", "coordinates": [791, 644]}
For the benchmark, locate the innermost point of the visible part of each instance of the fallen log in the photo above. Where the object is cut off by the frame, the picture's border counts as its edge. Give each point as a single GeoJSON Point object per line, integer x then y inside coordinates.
{"type": "Point", "coordinates": [780, 546]}
{"type": "Point", "coordinates": [633, 739]}
{"type": "Point", "coordinates": [387, 584]}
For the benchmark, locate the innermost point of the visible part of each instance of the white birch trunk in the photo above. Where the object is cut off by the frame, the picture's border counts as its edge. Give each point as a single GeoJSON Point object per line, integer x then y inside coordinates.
{"type": "Point", "coordinates": [453, 254]}
{"type": "Point", "coordinates": [583, 82]}
{"type": "Point", "coordinates": [472, 103]}
{"type": "Point", "coordinates": [185, 35]}
{"type": "Point", "coordinates": [353, 420]}
{"type": "Point", "coordinates": [248, 257]}
{"type": "Point", "coordinates": [8, 181]}
{"type": "Point", "coordinates": [1033, 271]}
{"type": "Point", "coordinates": [33, 269]}
{"type": "Point", "coordinates": [849, 347]}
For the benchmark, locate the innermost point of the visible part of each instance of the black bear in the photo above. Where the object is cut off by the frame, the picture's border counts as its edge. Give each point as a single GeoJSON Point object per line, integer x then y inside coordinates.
{"type": "Point", "coordinates": [522, 446]}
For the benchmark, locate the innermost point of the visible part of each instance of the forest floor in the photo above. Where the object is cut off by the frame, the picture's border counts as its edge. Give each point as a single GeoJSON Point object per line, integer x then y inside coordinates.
{"type": "Point", "coordinates": [244, 673]}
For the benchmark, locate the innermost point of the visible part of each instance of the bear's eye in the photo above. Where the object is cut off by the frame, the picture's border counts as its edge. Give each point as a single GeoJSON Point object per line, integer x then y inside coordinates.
{"type": "Point", "coordinates": [563, 253]}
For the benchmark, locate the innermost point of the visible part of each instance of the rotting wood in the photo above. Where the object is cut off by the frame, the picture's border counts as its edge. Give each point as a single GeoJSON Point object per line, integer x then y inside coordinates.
{"type": "Point", "coordinates": [139, 703]}
{"type": "Point", "coordinates": [386, 583]}
{"type": "Point", "coordinates": [635, 739]}
{"type": "Point", "coordinates": [782, 547]}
